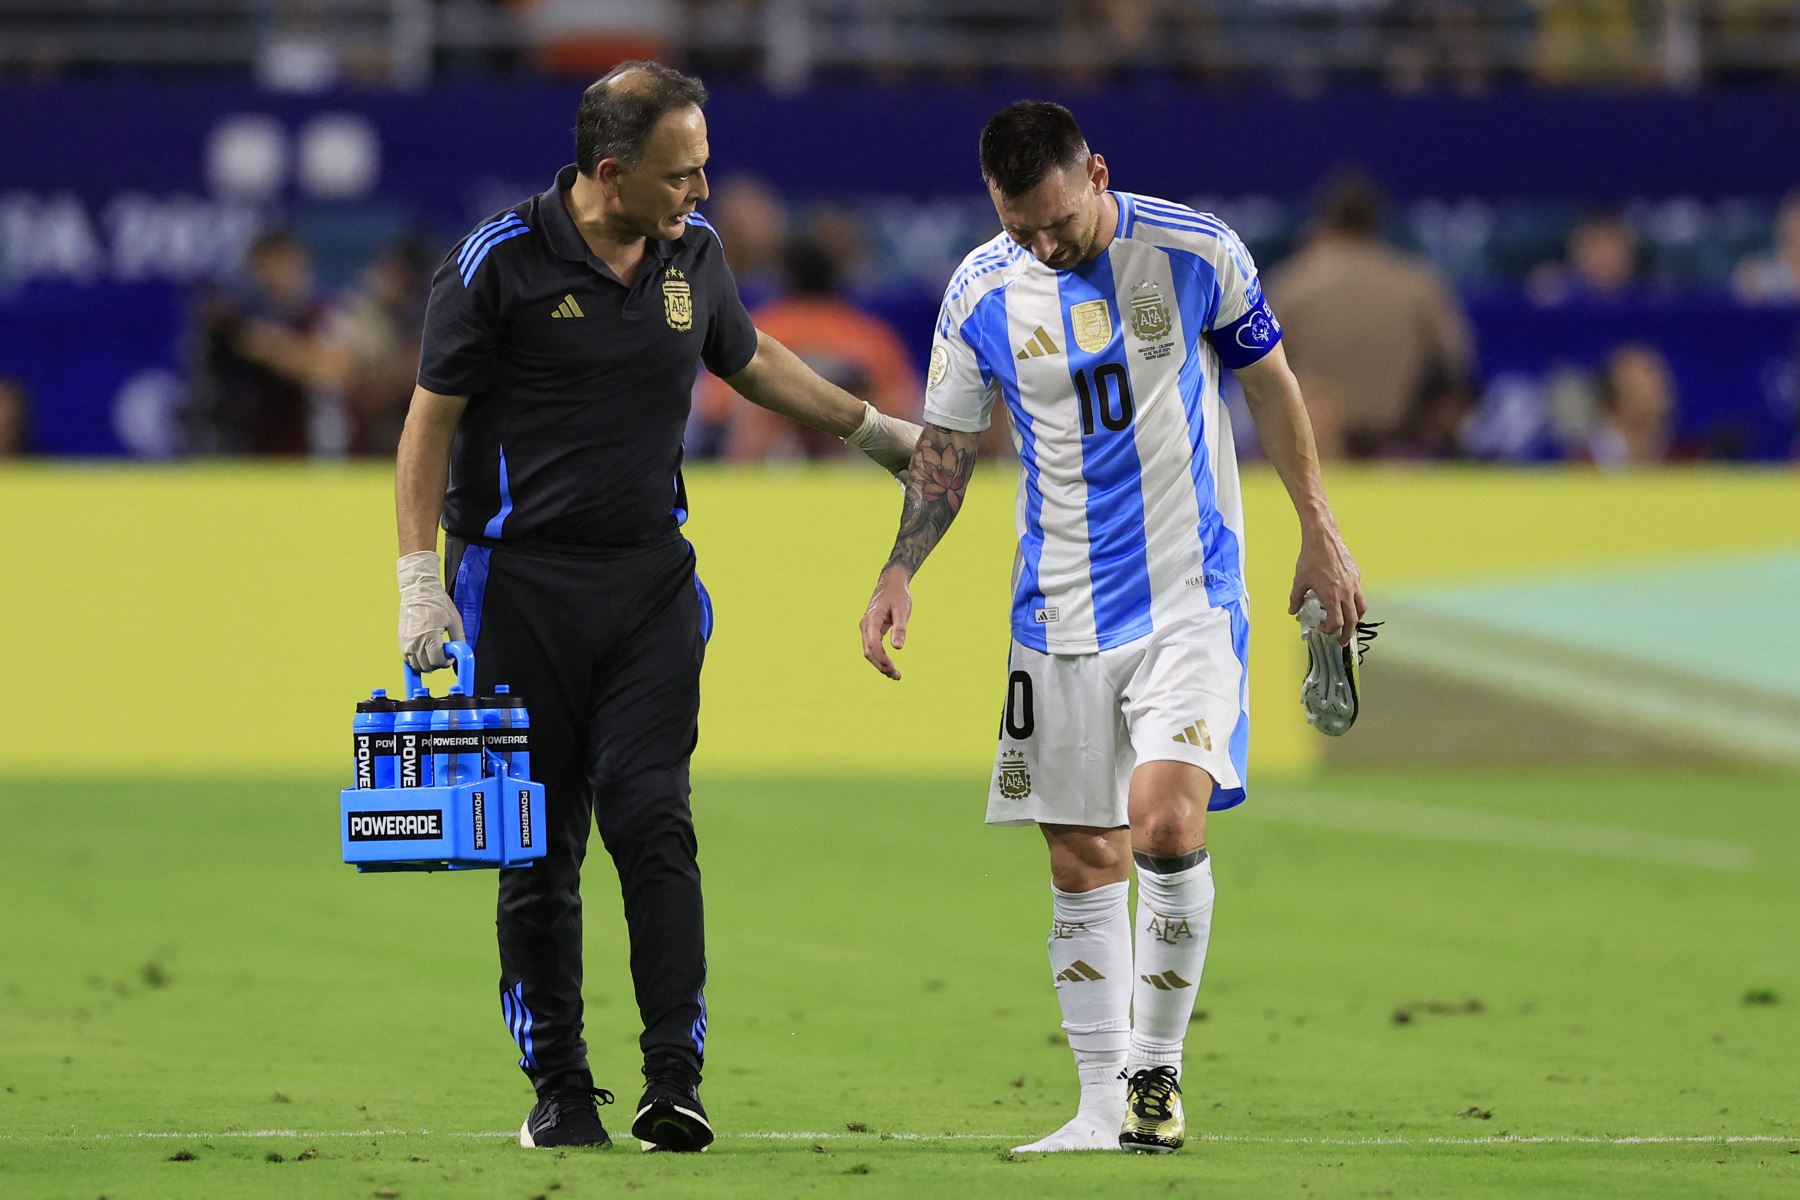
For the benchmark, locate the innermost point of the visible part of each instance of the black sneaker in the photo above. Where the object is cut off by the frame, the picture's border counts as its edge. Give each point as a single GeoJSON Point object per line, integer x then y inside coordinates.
{"type": "Point", "coordinates": [567, 1114]}
{"type": "Point", "coordinates": [670, 1116]}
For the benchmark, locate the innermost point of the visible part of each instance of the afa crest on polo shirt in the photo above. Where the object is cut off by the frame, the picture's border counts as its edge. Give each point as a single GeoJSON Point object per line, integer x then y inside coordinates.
{"type": "Point", "coordinates": [678, 301]}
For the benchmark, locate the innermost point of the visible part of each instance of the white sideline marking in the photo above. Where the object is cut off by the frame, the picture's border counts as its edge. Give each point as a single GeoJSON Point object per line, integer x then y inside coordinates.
{"type": "Point", "coordinates": [802, 1135]}
{"type": "Point", "coordinates": [1362, 815]}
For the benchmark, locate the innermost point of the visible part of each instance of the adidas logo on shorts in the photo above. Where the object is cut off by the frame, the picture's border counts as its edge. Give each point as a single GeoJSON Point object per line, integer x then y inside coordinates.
{"type": "Point", "coordinates": [1196, 735]}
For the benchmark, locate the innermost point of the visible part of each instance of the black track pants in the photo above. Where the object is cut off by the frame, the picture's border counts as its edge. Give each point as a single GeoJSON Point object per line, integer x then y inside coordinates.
{"type": "Point", "coordinates": [606, 653]}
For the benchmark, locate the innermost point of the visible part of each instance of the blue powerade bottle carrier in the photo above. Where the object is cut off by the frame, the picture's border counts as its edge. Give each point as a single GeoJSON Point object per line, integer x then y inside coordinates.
{"type": "Point", "coordinates": [474, 812]}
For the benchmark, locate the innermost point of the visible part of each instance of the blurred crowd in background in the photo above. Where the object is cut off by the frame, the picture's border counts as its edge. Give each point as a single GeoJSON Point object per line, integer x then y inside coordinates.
{"type": "Point", "coordinates": [1377, 334]}
{"type": "Point", "coordinates": [1407, 45]}
{"type": "Point", "coordinates": [1397, 315]}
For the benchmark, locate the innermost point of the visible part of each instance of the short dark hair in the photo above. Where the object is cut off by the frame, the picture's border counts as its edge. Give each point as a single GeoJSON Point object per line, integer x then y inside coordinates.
{"type": "Point", "coordinates": [616, 122]}
{"type": "Point", "coordinates": [1025, 141]}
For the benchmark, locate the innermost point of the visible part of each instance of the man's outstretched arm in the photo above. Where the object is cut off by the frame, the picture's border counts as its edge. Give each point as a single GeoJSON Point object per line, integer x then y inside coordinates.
{"type": "Point", "coordinates": [937, 478]}
{"type": "Point", "coordinates": [1324, 565]}
{"type": "Point", "coordinates": [776, 379]}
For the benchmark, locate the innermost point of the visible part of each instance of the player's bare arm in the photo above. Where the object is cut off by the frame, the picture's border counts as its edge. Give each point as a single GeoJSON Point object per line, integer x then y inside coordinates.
{"type": "Point", "coordinates": [1325, 566]}
{"type": "Point", "coordinates": [937, 480]}
{"type": "Point", "coordinates": [776, 379]}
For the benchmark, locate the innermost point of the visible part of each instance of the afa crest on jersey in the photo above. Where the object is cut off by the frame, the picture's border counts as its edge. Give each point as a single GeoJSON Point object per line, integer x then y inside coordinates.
{"type": "Point", "coordinates": [1149, 315]}
{"type": "Point", "coordinates": [678, 301]}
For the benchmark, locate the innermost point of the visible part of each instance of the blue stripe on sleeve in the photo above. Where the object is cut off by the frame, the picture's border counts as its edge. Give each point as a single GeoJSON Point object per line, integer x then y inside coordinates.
{"type": "Point", "coordinates": [1171, 216]}
{"type": "Point", "coordinates": [1118, 549]}
{"type": "Point", "coordinates": [981, 264]}
{"type": "Point", "coordinates": [694, 218]}
{"type": "Point", "coordinates": [480, 235]}
{"type": "Point", "coordinates": [505, 233]}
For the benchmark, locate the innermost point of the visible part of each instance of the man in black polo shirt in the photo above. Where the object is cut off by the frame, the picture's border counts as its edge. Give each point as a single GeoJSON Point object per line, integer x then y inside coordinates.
{"type": "Point", "coordinates": [560, 350]}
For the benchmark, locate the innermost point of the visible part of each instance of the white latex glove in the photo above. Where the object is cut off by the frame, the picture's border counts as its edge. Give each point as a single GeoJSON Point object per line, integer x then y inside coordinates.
{"type": "Point", "coordinates": [426, 611]}
{"type": "Point", "coordinates": [887, 440]}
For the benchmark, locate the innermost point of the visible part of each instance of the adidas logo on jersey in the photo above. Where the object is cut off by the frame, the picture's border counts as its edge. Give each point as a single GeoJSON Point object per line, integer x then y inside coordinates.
{"type": "Point", "coordinates": [1078, 972]}
{"type": "Point", "coordinates": [1196, 735]}
{"type": "Point", "coordinates": [568, 308]}
{"type": "Point", "coordinates": [1039, 344]}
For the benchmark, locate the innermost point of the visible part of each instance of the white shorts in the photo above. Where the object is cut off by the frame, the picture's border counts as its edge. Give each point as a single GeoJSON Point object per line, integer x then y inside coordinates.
{"type": "Point", "coordinates": [1075, 726]}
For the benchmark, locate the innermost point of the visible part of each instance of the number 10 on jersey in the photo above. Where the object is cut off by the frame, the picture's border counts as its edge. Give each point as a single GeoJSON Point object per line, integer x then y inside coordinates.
{"type": "Point", "coordinates": [1107, 388]}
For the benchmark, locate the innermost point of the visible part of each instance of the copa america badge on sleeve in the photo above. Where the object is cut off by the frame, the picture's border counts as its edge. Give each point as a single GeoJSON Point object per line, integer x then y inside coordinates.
{"type": "Point", "coordinates": [440, 782]}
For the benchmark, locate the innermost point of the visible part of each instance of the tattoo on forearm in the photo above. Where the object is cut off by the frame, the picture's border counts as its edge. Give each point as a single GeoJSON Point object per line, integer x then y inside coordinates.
{"type": "Point", "coordinates": [939, 475]}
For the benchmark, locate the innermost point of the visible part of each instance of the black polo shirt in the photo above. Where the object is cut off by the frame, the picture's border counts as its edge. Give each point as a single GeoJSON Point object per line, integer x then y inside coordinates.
{"type": "Point", "coordinates": [579, 386]}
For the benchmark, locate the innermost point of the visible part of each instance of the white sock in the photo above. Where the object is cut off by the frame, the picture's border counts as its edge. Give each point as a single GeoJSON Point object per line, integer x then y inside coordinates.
{"type": "Point", "coordinates": [1090, 961]}
{"type": "Point", "coordinates": [1174, 920]}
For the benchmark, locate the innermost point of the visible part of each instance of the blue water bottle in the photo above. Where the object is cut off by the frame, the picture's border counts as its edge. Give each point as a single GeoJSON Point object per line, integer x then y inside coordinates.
{"type": "Point", "coordinates": [455, 741]}
{"type": "Point", "coordinates": [510, 736]}
{"type": "Point", "coordinates": [373, 738]}
{"type": "Point", "coordinates": [412, 738]}
{"type": "Point", "coordinates": [456, 724]}
{"type": "Point", "coordinates": [493, 730]}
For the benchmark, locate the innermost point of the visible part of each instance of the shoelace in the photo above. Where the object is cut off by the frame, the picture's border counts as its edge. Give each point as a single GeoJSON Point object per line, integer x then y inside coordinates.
{"type": "Point", "coordinates": [580, 1100]}
{"type": "Point", "coordinates": [1153, 1093]}
{"type": "Point", "coordinates": [1365, 633]}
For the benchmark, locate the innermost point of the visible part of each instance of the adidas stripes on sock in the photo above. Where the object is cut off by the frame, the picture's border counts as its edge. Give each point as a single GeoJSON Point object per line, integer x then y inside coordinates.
{"type": "Point", "coordinates": [1174, 920]}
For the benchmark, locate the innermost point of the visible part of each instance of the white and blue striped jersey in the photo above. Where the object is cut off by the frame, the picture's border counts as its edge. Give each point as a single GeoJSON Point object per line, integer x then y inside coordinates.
{"type": "Point", "coordinates": [1129, 511]}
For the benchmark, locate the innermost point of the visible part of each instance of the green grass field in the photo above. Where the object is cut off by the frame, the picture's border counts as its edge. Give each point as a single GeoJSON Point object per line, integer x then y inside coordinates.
{"type": "Point", "coordinates": [1547, 983]}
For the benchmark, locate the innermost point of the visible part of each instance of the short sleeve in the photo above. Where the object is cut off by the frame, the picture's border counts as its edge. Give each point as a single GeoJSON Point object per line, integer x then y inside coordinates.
{"type": "Point", "coordinates": [959, 391]}
{"type": "Point", "coordinates": [730, 334]}
{"type": "Point", "coordinates": [456, 349]}
{"type": "Point", "coordinates": [1243, 328]}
